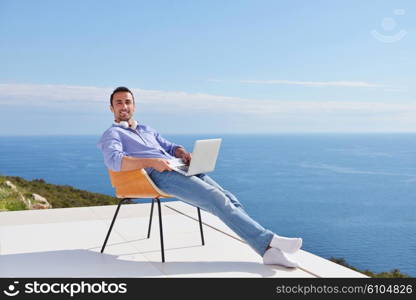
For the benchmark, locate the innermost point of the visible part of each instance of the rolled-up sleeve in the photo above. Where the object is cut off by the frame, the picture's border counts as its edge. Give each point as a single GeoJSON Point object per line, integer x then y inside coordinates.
{"type": "Point", "coordinates": [167, 145]}
{"type": "Point", "coordinates": [112, 149]}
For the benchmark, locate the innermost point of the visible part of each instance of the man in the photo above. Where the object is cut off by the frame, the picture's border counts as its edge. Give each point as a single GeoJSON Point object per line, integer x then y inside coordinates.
{"type": "Point", "coordinates": [127, 145]}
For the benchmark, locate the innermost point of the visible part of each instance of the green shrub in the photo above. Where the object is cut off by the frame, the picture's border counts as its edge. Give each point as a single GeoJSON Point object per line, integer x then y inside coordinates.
{"type": "Point", "coordinates": [12, 204]}
{"type": "Point", "coordinates": [395, 273]}
{"type": "Point", "coordinates": [59, 196]}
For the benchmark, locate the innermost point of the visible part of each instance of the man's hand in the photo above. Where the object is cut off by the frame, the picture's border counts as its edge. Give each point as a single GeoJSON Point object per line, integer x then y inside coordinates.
{"type": "Point", "coordinates": [160, 165]}
{"type": "Point", "coordinates": [185, 156]}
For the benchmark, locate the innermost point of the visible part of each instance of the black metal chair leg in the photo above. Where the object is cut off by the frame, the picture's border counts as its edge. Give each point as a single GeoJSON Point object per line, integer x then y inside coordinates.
{"type": "Point", "coordinates": [161, 230]}
{"type": "Point", "coordinates": [151, 216]}
{"type": "Point", "coordinates": [112, 223]}
{"type": "Point", "coordinates": [200, 226]}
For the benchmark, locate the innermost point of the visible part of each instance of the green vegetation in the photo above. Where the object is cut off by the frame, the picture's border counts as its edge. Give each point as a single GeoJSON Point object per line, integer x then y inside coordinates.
{"type": "Point", "coordinates": [9, 199]}
{"type": "Point", "coordinates": [395, 273]}
{"type": "Point", "coordinates": [58, 196]}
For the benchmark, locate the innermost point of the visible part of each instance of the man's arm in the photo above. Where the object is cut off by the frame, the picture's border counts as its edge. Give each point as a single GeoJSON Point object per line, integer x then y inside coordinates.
{"type": "Point", "coordinates": [173, 149]}
{"type": "Point", "coordinates": [165, 144]}
{"type": "Point", "coordinates": [132, 163]}
{"type": "Point", "coordinates": [129, 163]}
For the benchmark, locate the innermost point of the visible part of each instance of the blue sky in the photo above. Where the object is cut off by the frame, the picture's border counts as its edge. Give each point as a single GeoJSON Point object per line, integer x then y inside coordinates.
{"type": "Point", "coordinates": [209, 66]}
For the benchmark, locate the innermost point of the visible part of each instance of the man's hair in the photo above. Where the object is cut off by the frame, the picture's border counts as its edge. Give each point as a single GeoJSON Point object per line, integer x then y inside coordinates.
{"type": "Point", "coordinates": [120, 89]}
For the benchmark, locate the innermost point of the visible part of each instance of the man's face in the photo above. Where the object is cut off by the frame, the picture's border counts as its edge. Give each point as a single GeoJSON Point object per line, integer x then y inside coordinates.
{"type": "Point", "coordinates": [123, 106]}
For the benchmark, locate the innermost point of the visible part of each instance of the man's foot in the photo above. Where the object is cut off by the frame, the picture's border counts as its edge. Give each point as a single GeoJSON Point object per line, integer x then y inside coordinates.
{"type": "Point", "coordinates": [275, 256]}
{"type": "Point", "coordinates": [289, 245]}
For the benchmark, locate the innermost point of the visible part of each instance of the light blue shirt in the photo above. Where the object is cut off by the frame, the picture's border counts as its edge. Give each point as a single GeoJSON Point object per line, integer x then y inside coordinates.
{"type": "Point", "coordinates": [143, 142]}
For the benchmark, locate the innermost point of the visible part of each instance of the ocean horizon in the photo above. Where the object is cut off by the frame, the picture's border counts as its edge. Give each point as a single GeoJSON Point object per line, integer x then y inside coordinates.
{"type": "Point", "coordinates": [347, 195]}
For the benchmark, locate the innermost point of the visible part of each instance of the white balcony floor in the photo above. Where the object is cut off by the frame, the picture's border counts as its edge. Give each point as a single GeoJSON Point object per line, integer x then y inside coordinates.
{"type": "Point", "coordinates": [67, 242]}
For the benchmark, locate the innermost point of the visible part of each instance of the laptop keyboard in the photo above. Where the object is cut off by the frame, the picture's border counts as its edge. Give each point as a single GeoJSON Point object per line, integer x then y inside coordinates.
{"type": "Point", "coordinates": [183, 168]}
{"type": "Point", "coordinates": [178, 163]}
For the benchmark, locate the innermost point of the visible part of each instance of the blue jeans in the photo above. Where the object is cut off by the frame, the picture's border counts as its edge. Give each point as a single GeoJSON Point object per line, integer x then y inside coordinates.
{"type": "Point", "coordinates": [202, 191]}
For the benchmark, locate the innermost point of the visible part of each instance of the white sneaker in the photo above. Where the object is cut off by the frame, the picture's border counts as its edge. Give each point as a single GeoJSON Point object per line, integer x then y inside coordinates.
{"type": "Point", "coordinates": [275, 256]}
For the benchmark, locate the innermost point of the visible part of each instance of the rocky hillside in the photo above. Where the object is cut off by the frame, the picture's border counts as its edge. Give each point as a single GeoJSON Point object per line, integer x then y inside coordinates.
{"type": "Point", "coordinates": [17, 193]}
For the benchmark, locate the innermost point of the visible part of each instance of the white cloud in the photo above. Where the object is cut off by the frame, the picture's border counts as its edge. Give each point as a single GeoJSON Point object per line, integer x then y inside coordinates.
{"type": "Point", "coordinates": [311, 83]}
{"type": "Point", "coordinates": [171, 101]}
{"type": "Point", "coordinates": [33, 93]}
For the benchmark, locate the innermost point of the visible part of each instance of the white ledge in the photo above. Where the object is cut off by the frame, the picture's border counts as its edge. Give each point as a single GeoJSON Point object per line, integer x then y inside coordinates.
{"type": "Point", "coordinates": [66, 242]}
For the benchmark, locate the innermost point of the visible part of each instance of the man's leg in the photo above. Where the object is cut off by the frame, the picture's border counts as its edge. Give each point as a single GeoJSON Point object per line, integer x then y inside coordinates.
{"type": "Point", "coordinates": [207, 196]}
{"type": "Point", "coordinates": [283, 243]}
{"type": "Point", "coordinates": [230, 196]}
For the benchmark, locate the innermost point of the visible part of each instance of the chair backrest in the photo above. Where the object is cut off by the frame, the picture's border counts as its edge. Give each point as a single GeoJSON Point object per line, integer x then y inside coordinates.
{"type": "Point", "coordinates": [135, 184]}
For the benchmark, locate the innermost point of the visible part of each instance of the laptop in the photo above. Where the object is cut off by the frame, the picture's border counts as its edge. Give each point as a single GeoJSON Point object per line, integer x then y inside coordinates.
{"type": "Point", "coordinates": [204, 158]}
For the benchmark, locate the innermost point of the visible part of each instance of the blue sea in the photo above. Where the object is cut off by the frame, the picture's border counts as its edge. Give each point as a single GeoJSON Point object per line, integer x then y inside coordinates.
{"type": "Point", "coordinates": [347, 195]}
